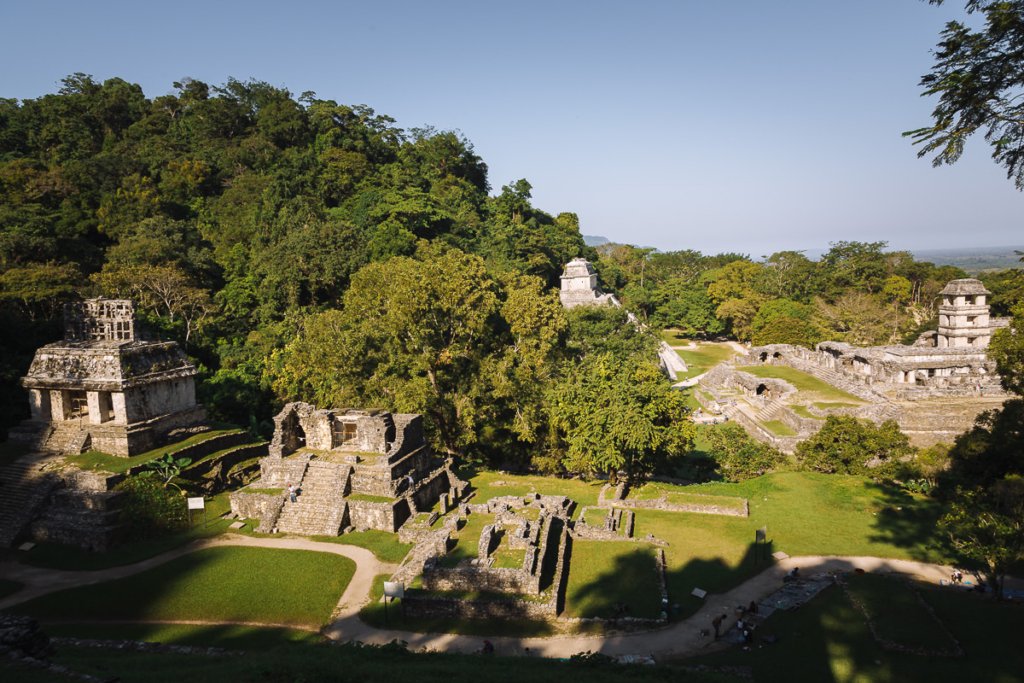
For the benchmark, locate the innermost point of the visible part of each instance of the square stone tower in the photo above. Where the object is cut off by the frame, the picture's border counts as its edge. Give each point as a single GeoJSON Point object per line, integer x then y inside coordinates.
{"type": "Point", "coordinates": [963, 315]}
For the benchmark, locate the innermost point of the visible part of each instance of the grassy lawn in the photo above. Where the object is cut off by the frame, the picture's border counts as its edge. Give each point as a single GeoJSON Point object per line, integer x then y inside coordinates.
{"type": "Point", "coordinates": [294, 587]}
{"type": "Point", "coordinates": [779, 428]}
{"type": "Point", "coordinates": [95, 460]}
{"type": "Point", "coordinates": [506, 557]}
{"type": "Point", "coordinates": [583, 492]}
{"type": "Point", "coordinates": [384, 545]}
{"type": "Point", "coordinates": [830, 405]}
{"type": "Point", "coordinates": [705, 357]}
{"type": "Point", "coordinates": [682, 495]}
{"type": "Point", "coordinates": [898, 614]}
{"type": "Point", "coordinates": [367, 498]}
{"type": "Point", "coordinates": [343, 663]}
{"type": "Point", "coordinates": [56, 556]}
{"type": "Point", "coordinates": [829, 640]}
{"type": "Point", "coordinates": [466, 539]}
{"type": "Point", "coordinates": [803, 382]}
{"type": "Point", "coordinates": [231, 636]}
{"type": "Point", "coordinates": [802, 411]}
{"type": "Point", "coordinates": [805, 514]}
{"type": "Point", "coordinates": [604, 574]}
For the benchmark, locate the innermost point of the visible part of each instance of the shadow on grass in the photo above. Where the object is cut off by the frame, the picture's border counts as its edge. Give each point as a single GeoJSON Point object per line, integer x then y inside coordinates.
{"type": "Point", "coordinates": [714, 576]}
{"type": "Point", "coordinates": [910, 522]}
{"type": "Point", "coordinates": [226, 584]}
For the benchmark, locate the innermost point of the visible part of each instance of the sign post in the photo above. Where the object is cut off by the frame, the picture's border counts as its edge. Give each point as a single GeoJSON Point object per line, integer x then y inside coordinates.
{"type": "Point", "coordinates": [392, 590]}
{"type": "Point", "coordinates": [196, 504]}
{"type": "Point", "coordinates": [760, 543]}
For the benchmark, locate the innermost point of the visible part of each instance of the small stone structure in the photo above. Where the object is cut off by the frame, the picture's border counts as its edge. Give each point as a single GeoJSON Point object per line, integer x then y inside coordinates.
{"type": "Point", "coordinates": [579, 286]}
{"type": "Point", "coordinates": [537, 525]}
{"type": "Point", "coordinates": [103, 387]}
{"type": "Point", "coordinates": [363, 469]}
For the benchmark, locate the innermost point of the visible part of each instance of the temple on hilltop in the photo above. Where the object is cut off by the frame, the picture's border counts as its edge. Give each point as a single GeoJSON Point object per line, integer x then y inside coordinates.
{"type": "Point", "coordinates": [103, 387]}
{"type": "Point", "coordinates": [579, 286]}
{"type": "Point", "coordinates": [364, 469]}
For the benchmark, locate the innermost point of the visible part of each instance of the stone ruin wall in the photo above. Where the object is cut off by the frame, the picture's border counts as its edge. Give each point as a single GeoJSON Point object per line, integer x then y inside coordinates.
{"type": "Point", "coordinates": [623, 526]}
{"type": "Point", "coordinates": [513, 608]}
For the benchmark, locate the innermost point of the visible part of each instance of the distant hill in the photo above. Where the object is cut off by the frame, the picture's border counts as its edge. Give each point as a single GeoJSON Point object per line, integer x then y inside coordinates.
{"type": "Point", "coordinates": [972, 259]}
{"type": "Point", "coordinates": [595, 240]}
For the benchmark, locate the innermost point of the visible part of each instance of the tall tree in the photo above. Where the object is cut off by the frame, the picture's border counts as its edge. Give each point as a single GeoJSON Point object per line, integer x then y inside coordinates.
{"type": "Point", "coordinates": [977, 76]}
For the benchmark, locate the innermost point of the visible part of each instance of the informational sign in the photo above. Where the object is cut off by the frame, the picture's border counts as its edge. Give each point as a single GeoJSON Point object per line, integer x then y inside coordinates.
{"type": "Point", "coordinates": [196, 504]}
{"type": "Point", "coordinates": [761, 535]}
{"type": "Point", "coordinates": [394, 589]}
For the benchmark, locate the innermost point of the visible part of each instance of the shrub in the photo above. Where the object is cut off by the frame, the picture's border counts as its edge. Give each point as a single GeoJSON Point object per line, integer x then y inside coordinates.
{"type": "Point", "coordinates": [149, 508]}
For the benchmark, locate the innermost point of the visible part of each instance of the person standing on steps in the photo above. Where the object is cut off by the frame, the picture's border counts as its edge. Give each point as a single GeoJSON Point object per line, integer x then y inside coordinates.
{"type": "Point", "coordinates": [291, 493]}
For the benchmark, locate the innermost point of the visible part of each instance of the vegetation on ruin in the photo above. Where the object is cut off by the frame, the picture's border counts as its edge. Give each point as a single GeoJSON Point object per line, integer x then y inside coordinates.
{"type": "Point", "coordinates": [103, 462]}
{"type": "Point", "coordinates": [813, 387]}
{"type": "Point", "coordinates": [217, 584]}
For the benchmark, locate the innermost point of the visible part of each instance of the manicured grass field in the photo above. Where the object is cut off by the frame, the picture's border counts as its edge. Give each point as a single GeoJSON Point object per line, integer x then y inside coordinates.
{"type": "Point", "coordinates": [385, 546]}
{"type": "Point", "coordinates": [898, 614]}
{"type": "Point", "coordinates": [803, 382]}
{"type": "Point", "coordinates": [779, 428]}
{"type": "Point", "coordinates": [604, 574]}
{"type": "Point", "coordinates": [805, 514]}
{"type": "Point", "coordinates": [705, 357]}
{"type": "Point", "coordinates": [682, 495]}
{"type": "Point", "coordinates": [802, 411]}
{"type": "Point", "coordinates": [95, 460]}
{"type": "Point", "coordinates": [56, 556]}
{"type": "Point", "coordinates": [293, 587]}
{"type": "Point", "coordinates": [829, 640]}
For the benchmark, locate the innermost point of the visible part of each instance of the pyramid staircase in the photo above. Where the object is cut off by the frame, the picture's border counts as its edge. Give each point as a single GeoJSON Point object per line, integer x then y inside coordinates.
{"type": "Point", "coordinates": [771, 410]}
{"type": "Point", "coordinates": [24, 490]}
{"type": "Point", "coordinates": [320, 509]}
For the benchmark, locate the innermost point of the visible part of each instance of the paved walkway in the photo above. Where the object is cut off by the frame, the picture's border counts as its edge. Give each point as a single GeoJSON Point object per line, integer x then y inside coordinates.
{"type": "Point", "coordinates": [681, 639]}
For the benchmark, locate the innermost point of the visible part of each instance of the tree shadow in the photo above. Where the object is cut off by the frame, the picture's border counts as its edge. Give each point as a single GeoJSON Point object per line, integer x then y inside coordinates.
{"type": "Point", "coordinates": [910, 522]}
{"type": "Point", "coordinates": [629, 587]}
{"type": "Point", "coordinates": [713, 576]}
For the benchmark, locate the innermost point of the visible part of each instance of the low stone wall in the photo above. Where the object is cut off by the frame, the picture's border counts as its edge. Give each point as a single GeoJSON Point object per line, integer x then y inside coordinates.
{"type": "Point", "coordinates": [280, 472]}
{"type": "Point", "coordinates": [364, 514]}
{"type": "Point", "coordinates": [212, 475]}
{"type": "Point", "coordinates": [480, 578]}
{"type": "Point", "coordinates": [261, 506]}
{"type": "Point", "coordinates": [623, 530]}
{"type": "Point", "coordinates": [422, 606]}
{"type": "Point", "coordinates": [710, 508]}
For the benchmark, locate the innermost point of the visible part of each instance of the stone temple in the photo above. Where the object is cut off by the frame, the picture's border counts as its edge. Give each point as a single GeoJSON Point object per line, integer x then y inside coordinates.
{"type": "Point", "coordinates": [104, 388]}
{"type": "Point", "coordinates": [359, 469]}
{"type": "Point", "coordinates": [579, 286]}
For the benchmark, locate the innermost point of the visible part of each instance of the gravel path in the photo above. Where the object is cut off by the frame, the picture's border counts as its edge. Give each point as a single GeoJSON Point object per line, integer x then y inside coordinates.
{"type": "Point", "coordinates": [681, 639]}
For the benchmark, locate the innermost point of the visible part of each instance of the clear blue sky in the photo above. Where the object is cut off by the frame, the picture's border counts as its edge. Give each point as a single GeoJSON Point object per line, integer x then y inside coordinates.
{"type": "Point", "coordinates": [746, 125]}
